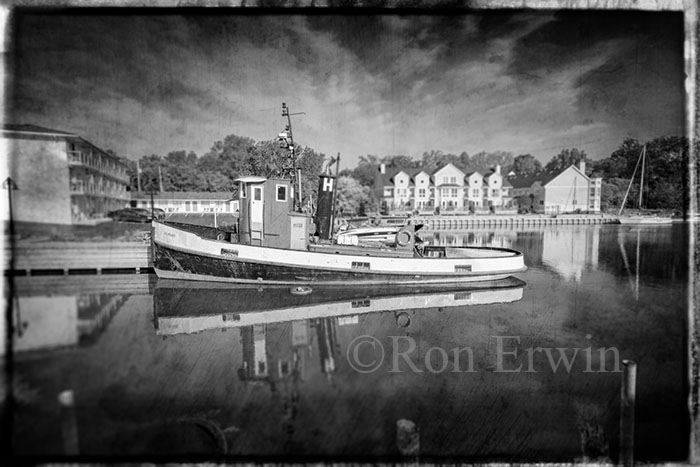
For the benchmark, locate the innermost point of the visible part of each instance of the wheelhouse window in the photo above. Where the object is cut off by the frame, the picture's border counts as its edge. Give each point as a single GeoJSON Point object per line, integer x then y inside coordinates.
{"type": "Point", "coordinates": [281, 193]}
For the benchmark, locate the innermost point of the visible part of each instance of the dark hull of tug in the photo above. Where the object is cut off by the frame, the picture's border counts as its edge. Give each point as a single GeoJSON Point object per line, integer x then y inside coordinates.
{"type": "Point", "coordinates": [171, 263]}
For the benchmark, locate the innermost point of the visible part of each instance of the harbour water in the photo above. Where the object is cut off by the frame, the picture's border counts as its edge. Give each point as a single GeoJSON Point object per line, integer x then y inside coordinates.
{"type": "Point", "coordinates": [522, 371]}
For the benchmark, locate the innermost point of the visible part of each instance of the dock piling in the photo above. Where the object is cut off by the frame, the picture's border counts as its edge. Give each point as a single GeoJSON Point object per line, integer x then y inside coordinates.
{"type": "Point", "coordinates": [627, 402]}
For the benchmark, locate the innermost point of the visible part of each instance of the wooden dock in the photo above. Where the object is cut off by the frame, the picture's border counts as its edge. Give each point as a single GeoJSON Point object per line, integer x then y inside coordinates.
{"type": "Point", "coordinates": [79, 257]}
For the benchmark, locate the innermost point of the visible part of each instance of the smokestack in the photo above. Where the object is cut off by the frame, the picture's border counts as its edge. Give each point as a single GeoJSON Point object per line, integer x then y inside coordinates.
{"type": "Point", "coordinates": [498, 168]}
{"type": "Point", "coordinates": [582, 166]}
{"type": "Point", "coordinates": [324, 207]}
{"type": "Point", "coordinates": [382, 168]}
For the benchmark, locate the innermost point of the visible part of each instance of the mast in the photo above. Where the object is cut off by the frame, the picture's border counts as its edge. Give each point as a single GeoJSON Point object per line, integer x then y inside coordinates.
{"type": "Point", "coordinates": [624, 200]}
{"type": "Point", "coordinates": [641, 182]}
{"type": "Point", "coordinates": [286, 138]}
{"type": "Point", "coordinates": [335, 191]}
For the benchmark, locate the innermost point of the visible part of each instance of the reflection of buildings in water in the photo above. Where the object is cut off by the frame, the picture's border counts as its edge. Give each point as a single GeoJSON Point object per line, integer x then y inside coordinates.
{"type": "Point", "coordinates": [566, 249]}
{"type": "Point", "coordinates": [60, 321]}
{"type": "Point", "coordinates": [569, 251]}
{"type": "Point", "coordinates": [501, 239]}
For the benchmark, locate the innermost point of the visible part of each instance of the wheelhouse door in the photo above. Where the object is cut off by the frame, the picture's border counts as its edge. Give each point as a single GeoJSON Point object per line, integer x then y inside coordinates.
{"type": "Point", "coordinates": [256, 213]}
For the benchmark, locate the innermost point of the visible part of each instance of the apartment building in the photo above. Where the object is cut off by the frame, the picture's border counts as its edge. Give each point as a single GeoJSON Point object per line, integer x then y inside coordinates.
{"type": "Point", "coordinates": [61, 177]}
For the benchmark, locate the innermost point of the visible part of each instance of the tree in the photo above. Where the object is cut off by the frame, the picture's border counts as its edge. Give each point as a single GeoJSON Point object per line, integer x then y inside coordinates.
{"type": "Point", "coordinates": [525, 165]}
{"type": "Point", "coordinates": [311, 163]}
{"type": "Point", "coordinates": [401, 161]}
{"type": "Point", "coordinates": [566, 158]}
{"type": "Point", "coordinates": [366, 171]}
{"type": "Point", "coordinates": [483, 162]}
{"type": "Point", "coordinates": [178, 173]}
{"type": "Point", "coordinates": [351, 196]}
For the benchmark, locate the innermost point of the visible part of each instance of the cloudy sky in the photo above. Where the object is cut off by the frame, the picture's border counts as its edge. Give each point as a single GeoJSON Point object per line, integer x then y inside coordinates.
{"type": "Point", "coordinates": [525, 82]}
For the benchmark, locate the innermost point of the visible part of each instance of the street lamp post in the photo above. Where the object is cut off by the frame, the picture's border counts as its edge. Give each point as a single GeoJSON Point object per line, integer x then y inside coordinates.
{"type": "Point", "coordinates": [9, 401]}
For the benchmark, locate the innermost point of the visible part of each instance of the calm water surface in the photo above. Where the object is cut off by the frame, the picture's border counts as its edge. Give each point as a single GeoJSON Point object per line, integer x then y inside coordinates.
{"type": "Point", "coordinates": [174, 369]}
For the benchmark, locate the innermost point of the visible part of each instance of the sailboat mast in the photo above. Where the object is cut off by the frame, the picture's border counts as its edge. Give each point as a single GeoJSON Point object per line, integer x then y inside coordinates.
{"type": "Point", "coordinates": [629, 187]}
{"type": "Point", "coordinates": [641, 181]}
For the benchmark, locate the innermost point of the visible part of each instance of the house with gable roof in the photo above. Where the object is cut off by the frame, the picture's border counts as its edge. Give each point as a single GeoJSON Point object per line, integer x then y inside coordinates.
{"type": "Point", "coordinates": [565, 190]}
{"type": "Point", "coordinates": [449, 187]}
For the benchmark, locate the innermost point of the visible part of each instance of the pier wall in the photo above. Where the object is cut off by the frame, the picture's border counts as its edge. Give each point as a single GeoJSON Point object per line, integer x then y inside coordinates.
{"type": "Point", "coordinates": [505, 222]}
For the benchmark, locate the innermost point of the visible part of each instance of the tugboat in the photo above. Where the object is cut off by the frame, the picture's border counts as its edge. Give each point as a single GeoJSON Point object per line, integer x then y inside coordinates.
{"type": "Point", "coordinates": [275, 244]}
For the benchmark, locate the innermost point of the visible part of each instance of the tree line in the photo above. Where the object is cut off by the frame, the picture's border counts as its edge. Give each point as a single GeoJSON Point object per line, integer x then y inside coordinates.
{"type": "Point", "coordinates": [228, 159]}
{"type": "Point", "coordinates": [664, 173]}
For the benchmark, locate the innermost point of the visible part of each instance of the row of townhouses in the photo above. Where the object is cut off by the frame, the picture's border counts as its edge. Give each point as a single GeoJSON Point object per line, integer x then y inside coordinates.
{"type": "Point", "coordinates": [450, 188]}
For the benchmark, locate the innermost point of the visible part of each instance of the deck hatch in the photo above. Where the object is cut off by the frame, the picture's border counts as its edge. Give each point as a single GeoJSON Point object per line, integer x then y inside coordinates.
{"type": "Point", "coordinates": [360, 265]}
{"type": "Point", "coordinates": [463, 268]}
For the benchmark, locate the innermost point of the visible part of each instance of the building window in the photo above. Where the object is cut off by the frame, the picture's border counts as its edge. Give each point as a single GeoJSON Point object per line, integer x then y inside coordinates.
{"type": "Point", "coordinates": [444, 180]}
{"type": "Point", "coordinates": [227, 207]}
{"type": "Point", "coordinates": [281, 193]}
{"type": "Point", "coordinates": [453, 179]}
{"type": "Point", "coordinates": [454, 192]}
{"type": "Point", "coordinates": [541, 202]}
{"type": "Point", "coordinates": [475, 193]}
{"type": "Point", "coordinates": [421, 192]}
{"type": "Point", "coordinates": [387, 191]}
{"type": "Point", "coordinates": [187, 206]}
{"type": "Point", "coordinates": [592, 192]}
{"type": "Point", "coordinates": [194, 206]}
{"type": "Point", "coordinates": [257, 193]}
{"type": "Point", "coordinates": [494, 192]}
{"type": "Point", "coordinates": [243, 190]}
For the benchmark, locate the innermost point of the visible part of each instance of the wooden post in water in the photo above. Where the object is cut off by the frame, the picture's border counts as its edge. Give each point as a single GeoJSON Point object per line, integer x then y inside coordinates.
{"type": "Point", "coordinates": [69, 424]}
{"type": "Point", "coordinates": [407, 439]}
{"type": "Point", "coordinates": [627, 400]}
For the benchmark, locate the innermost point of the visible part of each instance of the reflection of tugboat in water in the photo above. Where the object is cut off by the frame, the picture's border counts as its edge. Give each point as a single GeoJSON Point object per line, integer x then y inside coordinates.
{"type": "Point", "coordinates": [183, 307]}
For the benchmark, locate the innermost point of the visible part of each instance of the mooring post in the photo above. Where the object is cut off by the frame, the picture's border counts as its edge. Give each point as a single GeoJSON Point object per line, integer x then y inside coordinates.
{"type": "Point", "coordinates": [627, 400]}
{"type": "Point", "coordinates": [69, 424]}
{"type": "Point", "coordinates": [407, 439]}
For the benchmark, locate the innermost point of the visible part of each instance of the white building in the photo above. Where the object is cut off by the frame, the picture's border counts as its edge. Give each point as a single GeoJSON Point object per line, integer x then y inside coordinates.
{"type": "Point", "coordinates": [566, 190]}
{"type": "Point", "coordinates": [186, 201]}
